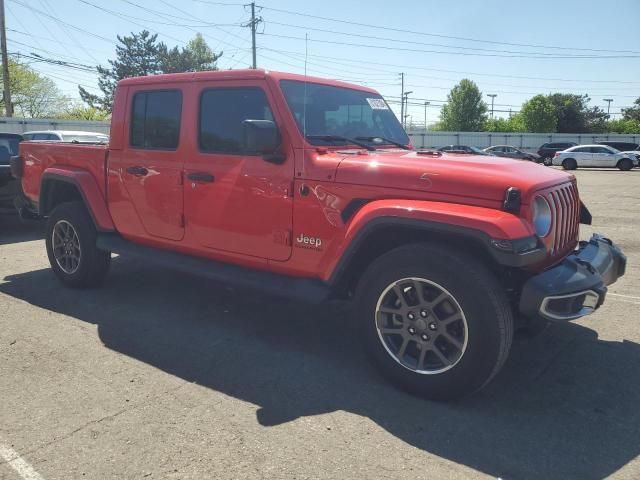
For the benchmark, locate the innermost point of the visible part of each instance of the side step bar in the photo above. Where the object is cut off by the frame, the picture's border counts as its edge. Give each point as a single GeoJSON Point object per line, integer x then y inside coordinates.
{"type": "Point", "coordinates": [304, 289]}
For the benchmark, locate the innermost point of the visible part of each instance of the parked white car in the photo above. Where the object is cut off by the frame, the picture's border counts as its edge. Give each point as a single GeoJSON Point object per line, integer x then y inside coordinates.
{"type": "Point", "coordinates": [594, 156]}
{"type": "Point", "coordinates": [69, 136]}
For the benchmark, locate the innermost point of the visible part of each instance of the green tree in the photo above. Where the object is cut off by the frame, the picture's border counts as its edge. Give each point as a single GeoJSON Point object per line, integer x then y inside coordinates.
{"type": "Point", "coordinates": [511, 124]}
{"type": "Point", "coordinates": [81, 112]}
{"type": "Point", "coordinates": [538, 115]}
{"type": "Point", "coordinates": [136, 55]}
{"type": "Point", "coordinates": [632, 113]}
{"type": "Point", "coordinates": [624, 125]}
{"type": "Point", "coordinates": [465, 110]}
{"type": "Point", "coordinates": [197, 56]}
{"type": "Point", "coordinates": [575, 116]}
{"type": "Point", "coordinates": [141, 54]}
{"type": "Point", "coordinates": [32, 94]}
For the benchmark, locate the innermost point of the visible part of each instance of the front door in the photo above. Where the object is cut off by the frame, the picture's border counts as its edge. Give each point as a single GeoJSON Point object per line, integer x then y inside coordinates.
{"type": "Point", "coordinates": [234, 201]}
{"type": "Point", "coordinates": [148, 192]}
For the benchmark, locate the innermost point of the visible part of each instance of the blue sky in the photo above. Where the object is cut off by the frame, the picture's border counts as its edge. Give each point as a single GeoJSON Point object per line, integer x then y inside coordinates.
{"type": "Point", "coordinates": [506, 47]}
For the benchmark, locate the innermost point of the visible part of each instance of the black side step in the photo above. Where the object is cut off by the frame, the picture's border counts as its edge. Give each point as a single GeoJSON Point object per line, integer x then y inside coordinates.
{"type": "Point", "coordinates": [308, 290]}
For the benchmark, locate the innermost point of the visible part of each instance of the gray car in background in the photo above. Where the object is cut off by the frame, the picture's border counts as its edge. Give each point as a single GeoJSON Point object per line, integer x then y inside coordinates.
{"type": "Point", "coordinates": [511, 152]}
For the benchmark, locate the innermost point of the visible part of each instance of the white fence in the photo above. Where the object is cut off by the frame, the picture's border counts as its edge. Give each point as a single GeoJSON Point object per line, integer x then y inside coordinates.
{"type": "Point", "coordinates": [421, 138]}
{"type": "Point", "coordinates": [21, 125]}
{"type": "Point", "coordinates": [524, 141]}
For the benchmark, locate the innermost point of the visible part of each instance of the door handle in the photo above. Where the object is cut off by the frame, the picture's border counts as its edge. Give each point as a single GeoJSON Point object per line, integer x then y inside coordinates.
{"type": "Point", "coordinates": [137, 171]}
{"type": "Point", "coordinates": [201, 177]}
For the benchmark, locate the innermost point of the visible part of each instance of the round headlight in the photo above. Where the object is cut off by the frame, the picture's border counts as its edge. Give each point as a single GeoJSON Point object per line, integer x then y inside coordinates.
{"type": "Point", "coordinates": [541, 217]}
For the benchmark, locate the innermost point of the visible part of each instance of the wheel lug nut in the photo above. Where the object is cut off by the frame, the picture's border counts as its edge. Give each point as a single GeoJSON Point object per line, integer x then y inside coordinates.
{"type": "Point", "coordinates": [424, 337]}
{"type": "Point", "coordinates": [411, 316]}
{"type": "Point", "coordinates": [423, 313]}
{"type": "Point", "coordinates": [432, 326]}
{"type": "Point", "coordinates": [412, 330]}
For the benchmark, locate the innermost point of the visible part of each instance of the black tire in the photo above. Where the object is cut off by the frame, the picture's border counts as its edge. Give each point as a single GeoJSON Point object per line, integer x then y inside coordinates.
{"type": "Point", "coordinates": [486, 311]}
{"type": "Point", "coordinates": [569, 164]}
{"type": "Point", "coordinates": [548, 161]}
{"type": "Point", "coordinates": [93, 264]}
{"type": "Point", "coordinates": [625, 164]}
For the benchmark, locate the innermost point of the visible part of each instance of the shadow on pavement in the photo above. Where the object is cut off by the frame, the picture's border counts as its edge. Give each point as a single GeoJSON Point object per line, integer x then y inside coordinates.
{"type": "Point", "coordinates": [14, 230]}
{"type": "Point", "coordinates": [565, 405]}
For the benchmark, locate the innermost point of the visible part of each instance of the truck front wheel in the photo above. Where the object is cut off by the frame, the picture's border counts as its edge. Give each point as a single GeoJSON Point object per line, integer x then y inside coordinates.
{"type": "Point", "coordinates": [71, 247]}
{"type": "Point", "coordinates": [434, 320]}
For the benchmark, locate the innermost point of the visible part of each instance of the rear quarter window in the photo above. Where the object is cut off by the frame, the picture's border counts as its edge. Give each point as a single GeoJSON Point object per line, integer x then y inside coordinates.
{"type": "Point", "coordinates": [155, 119]}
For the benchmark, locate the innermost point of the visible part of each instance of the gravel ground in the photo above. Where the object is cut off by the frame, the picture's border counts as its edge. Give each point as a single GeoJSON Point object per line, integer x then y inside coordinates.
{"type": "Point", "coordinates": [165, 375]}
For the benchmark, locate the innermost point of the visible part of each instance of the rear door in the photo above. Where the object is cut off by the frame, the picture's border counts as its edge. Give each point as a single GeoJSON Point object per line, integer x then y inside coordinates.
{"type": "Point", "coordinates": [145, 186]}
{"type": "Point", "coordinates": [236, 202]}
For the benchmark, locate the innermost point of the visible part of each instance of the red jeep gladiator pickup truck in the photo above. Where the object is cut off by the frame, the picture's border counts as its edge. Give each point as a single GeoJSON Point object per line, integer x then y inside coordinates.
{"type": "Point", "coordinates": [310, 188]}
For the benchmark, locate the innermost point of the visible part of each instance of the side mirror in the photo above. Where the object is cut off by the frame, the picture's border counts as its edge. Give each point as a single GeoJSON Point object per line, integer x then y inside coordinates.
{"type": "Point", "coordinates": [262, 137]}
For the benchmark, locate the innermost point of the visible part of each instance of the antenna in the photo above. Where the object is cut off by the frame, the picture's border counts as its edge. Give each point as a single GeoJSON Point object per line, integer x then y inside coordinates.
{"type": "Point", "coordinates": [304, 102]}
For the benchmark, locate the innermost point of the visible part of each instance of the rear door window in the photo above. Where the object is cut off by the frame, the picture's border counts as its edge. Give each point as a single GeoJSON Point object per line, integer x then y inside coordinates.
{"type": "Point", "coordinates": [155, 119]}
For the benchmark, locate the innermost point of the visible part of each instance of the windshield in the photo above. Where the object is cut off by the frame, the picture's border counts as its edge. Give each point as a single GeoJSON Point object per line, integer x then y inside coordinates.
{"type": "Point", "coordinates": [334, 115]}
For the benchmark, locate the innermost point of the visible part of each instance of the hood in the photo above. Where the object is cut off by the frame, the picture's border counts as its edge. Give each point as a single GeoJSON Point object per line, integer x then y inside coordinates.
{"type": "Point", "coordinates": [478, 176]}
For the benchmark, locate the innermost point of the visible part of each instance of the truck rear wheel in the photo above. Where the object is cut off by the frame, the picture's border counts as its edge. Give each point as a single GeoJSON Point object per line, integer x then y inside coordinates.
{"type": "Point", "coordinates": [71, 247]}
{"type": "Point", "coordinates": [435, 321]}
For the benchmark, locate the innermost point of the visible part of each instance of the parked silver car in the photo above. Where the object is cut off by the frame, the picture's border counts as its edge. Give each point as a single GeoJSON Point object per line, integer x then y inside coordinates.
{"type": "Point", "coordinates": [69, 136]}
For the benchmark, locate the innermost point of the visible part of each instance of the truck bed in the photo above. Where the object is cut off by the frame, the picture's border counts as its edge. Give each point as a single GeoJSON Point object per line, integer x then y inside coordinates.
{"type": "Point", "coordinates": [40, 156]}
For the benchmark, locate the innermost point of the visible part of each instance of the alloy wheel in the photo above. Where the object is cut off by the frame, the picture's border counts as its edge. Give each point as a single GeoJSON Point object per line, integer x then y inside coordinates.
{"type": "Point", "coordinates": [421, 325]}
{"type": "Point", "coordinates": [66, 247]}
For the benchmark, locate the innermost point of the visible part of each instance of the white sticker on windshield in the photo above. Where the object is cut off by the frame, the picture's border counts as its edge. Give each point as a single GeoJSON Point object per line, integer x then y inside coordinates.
{"type": "Point", "coordinates": [377, 104]}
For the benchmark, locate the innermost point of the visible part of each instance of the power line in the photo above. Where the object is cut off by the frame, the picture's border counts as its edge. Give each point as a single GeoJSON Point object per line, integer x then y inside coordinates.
{"type": "Point", "coordinates": [413, 42]}
{"type": "Point", "coordinates": [365, 63]}
{"type": "Point", "coordinates": [155, 21]}
{"type": "Point", "coordinates": [467, 39]}
{"type": "Point", "coordinates": [439, 52]}
{"type": "Point", "coordinates": [62, 22]}
{"type": "Point", "coordinates": [79, 65]}
{"type": "Point", "coordinates": [67, 32]}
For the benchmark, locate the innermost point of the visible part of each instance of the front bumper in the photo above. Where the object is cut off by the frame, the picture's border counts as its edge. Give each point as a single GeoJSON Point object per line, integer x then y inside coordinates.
{"type": "Point", "coordinates": [577, 286]}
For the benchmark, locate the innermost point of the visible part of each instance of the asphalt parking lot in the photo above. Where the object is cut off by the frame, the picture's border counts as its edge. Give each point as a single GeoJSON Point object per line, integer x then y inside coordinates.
{"type": "Point", "coordinates": [164, 375]}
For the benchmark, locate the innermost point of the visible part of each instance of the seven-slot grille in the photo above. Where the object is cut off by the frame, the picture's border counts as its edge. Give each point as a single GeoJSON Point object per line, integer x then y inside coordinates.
{"type": "Point", "coordinates": [565, 216]}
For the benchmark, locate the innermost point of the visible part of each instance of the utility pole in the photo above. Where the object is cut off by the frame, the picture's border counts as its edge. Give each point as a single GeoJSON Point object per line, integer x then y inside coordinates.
{"type": "Point", "coordinates": [253, 33]}
{"type": "Point", "coordinates": [8, 106]}
{"type": "Point", "coordinates": [493, 96]}
{"type": "Point", "coordinates": [425, 115]}
{"type": "Point", "coordinates": [402, 98]}
{"type": "Point", "coordinates": [253, 23]}
{"type": "Point", "coordinates": [608, 100]}
{"type": "Point", "coordinates": [405, 102]}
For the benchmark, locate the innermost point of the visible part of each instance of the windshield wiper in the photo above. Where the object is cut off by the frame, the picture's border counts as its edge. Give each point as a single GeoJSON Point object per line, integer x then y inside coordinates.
{"type": "Point", "coordinates": [385, 140]}
{"type": "Point", "coordinates": [343, 139]}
